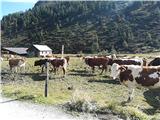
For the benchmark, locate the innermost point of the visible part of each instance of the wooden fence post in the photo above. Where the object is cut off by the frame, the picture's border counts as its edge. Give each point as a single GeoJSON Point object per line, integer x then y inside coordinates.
{"type": "Point", "coordinates": [62, 51]}
{"type": "Point", "coordinates": [46, 81]}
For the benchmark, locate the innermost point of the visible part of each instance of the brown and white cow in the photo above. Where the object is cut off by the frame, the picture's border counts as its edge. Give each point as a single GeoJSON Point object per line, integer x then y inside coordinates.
{"type": "Point", "coordinates": [126, 61]}
{"type": "Point", "coordinates": [59, 62]}
{"type": "Point", "coordinates": [134, 61]}
{"type": "Point", "coordinates": [66, 57]}
{"type": "Point", "coordinates": [134, 75]}
{"type": "Point", "coordinates": [155, 62]}
{"type": "Point", "coordinates": [17, 62]}
{"type": "Point", "coordinates": [97, 61]}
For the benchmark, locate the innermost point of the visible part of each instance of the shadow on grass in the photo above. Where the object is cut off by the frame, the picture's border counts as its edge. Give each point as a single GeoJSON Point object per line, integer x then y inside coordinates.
{"type": "Point", "coordinates": [152, 98]}
{"type": "Point", "coordinates": [82, 74]}
{"type": "Point", "coordinates": [106, 76]}
{"type": "Point", "coordinates": [105, 81]}
{"type": "Point", "coordinates": [4, 73]}
{"type": "Point", "coordinates": [55, 77]}
{"type": "Point", "coordinates": [36, 76]}
{"type": "Point", "coordinates": [80, 71]}
{"type": "Point", "coordinates": [27, 97]}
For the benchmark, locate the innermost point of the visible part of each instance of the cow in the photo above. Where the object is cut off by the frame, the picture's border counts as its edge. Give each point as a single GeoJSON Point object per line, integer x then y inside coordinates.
{"type": "Point", "coordinates": [127, 62]}
{"type": "Point", "coordinates": [155, 62]}
{"type": "Point", "coordinates": [97, 61]}
{"type": "Point", "coordinates": [41, 63]}
{"type": "Point", "coordinates": [134, 75]}
{"type": "Point", "coordinates": [17, 62]}
{"type": "Point", "coordinates": [59, 62]}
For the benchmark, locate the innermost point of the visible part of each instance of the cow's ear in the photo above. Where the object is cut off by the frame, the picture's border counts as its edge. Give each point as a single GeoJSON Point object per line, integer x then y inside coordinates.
{"type": "Point", "coordinates": [122, 68]}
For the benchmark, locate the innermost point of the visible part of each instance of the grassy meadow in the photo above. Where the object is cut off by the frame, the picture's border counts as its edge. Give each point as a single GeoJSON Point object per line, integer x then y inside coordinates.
{"type": "Point", "coordinates": [80, 85]}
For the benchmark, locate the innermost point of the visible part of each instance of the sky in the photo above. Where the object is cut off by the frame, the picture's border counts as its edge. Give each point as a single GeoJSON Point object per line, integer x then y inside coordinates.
{"type": "Point", "coordinates": [12, 6]}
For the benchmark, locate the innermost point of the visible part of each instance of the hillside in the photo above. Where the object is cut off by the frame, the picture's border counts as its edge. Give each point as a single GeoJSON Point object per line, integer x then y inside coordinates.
{"type": "Point", "coordinates": [85, 26]}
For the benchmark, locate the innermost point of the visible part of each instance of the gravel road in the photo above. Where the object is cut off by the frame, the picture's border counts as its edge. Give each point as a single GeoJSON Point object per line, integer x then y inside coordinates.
{"type": "Point", "coordinates": [11, 109]}
{"type": "Point", "coordinates": [16, 110]}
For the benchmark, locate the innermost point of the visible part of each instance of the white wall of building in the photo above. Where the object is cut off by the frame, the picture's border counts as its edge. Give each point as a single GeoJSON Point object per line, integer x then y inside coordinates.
{"type": "Point", "coordinates": [44, 53]}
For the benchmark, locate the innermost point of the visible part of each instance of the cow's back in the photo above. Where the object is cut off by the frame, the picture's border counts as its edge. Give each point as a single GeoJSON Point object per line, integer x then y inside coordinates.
{"type": "Point", "coordinates": [58, 62]}
{"type": "Point", "coordinates": [154, 62]}
{"type": "Point", "coordinates": [97, 61]}
{"type": "Point", "coordinates": [40, 62]}
{"type": "Point", "coordinates": [126, 62]}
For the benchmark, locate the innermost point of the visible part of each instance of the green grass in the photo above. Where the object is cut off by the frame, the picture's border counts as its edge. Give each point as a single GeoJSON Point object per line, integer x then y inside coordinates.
{"type": "Point", "coordinates": [106, 92]}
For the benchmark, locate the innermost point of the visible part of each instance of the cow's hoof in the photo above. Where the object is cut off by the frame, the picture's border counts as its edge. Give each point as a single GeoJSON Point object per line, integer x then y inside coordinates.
{"type": "Point", "coordinates": [64, 76]}
{"type": "Point", "coordinates": [129, 100]}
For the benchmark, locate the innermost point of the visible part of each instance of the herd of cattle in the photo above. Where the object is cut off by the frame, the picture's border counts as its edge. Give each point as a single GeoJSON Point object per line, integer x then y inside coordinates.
{"type": "Point", "coordinates": [130, 71]}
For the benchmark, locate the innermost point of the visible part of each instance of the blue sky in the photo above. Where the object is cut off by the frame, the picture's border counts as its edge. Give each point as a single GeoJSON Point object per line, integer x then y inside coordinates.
{"type": "Point", "coordinates": [12, 6]}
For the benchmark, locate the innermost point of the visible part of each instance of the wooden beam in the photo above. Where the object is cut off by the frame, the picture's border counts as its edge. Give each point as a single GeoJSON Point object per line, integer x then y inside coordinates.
{"type": "Point", "coordinates": [62, 51]}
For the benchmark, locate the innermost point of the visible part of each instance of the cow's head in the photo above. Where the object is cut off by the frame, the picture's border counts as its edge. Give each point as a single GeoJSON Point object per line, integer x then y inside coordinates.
{"type": "Point", "coordinates": [116, 69]}
{"type": "Point", "coordinates": [113, 56]}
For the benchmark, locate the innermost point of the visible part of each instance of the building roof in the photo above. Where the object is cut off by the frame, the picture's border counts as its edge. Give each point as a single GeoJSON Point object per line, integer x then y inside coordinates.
{"type": "Point", "coordinates": [17, 50]}
{"type": "Point", "coordinates": [42, 47]}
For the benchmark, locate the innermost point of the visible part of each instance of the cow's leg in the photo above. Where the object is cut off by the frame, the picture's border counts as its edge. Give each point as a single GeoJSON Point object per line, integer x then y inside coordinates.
{"type": "Point", "coordinates": [105, 69]}
{"type": "Point", "coordinates": [42, 69]}
{"type": "Point", "coordinates": [55, 70]}
{"type": "Point", "coordinates": [64, 71]}
{"type": "Point", "coordinates": [131, 94]}
{"type": "Point", "coordinates": [11, 69]}
{"type": "Point", "coordinates": [109, 70]}
{"type": "Point", "coordinates": [93, 68]}
{"type": "Point", "coordinates": [102, 70]}
{"type": "Point", "coordinates": [52, 69]}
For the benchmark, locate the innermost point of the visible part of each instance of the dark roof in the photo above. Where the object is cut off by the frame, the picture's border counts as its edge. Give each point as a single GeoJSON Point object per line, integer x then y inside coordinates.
{"type": "Point", "coordinates": [17, 50]}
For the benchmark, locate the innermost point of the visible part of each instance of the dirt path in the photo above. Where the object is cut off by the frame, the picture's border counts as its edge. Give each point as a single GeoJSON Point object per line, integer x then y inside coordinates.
{"type": "Point", "coordinates": [11, 109]}
{"type": "Point", "coordinates": [17, 110]}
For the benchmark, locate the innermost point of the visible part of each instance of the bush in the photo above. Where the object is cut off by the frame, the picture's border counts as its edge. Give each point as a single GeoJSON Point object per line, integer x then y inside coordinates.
{"type": "Point", "coordinates": [104, 52]}
{"type": "Point", "coordinates": [81, 102]}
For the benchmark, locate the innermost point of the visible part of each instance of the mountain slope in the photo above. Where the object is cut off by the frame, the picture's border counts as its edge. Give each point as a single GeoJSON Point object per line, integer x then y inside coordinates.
{"type": "Point", "coordinates": [86, 26]}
